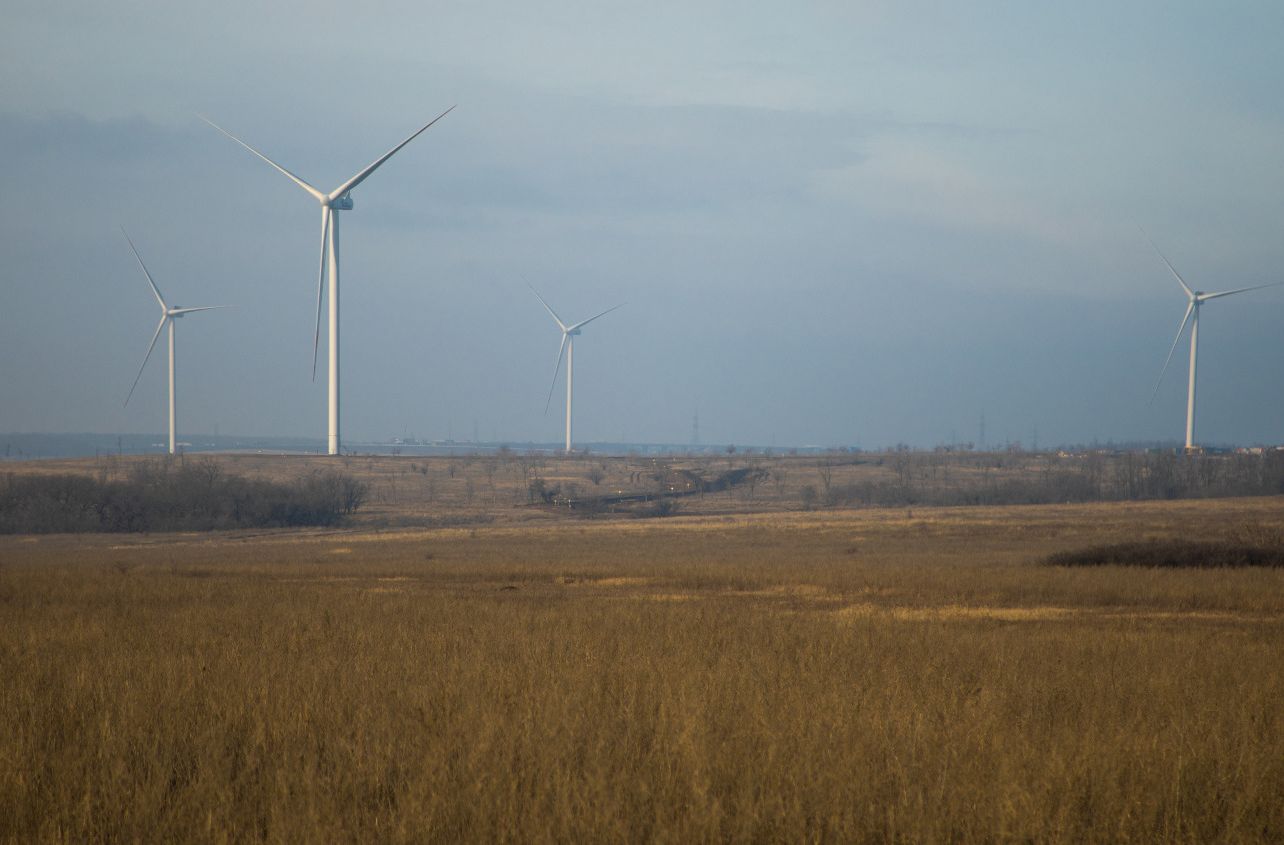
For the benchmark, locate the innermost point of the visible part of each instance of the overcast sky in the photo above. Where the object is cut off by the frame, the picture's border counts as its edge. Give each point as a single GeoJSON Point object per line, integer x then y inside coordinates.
{"type": "Point", "coordinates": [853, 223]}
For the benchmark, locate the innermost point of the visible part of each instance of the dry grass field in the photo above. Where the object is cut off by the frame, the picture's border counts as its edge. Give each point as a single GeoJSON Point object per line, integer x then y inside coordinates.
{"type": "Point", "coordinates": [856, 676]}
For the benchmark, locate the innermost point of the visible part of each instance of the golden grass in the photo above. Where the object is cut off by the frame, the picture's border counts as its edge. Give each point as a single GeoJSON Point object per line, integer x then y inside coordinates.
{"type": "Point", "coordinates": [863, 676]}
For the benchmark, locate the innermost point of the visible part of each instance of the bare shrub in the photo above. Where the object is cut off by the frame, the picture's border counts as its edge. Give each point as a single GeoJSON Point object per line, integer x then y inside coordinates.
{"type": "Point", "coordinates": [167, 496]}
{"type": "Point", "coordinates": [808, 496]}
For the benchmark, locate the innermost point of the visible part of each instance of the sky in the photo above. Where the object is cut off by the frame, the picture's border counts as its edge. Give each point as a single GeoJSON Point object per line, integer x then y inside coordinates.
{"type": "Point", "coordinates": [855, 223]}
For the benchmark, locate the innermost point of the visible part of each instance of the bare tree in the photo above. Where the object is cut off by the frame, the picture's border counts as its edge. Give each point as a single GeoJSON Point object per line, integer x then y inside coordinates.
{"type": "Point", "coordinates": [826, 470]}
{"type": "Point", "coordinates": [491, 466]}
{"type": "Point", "coordinates": [807, 495]}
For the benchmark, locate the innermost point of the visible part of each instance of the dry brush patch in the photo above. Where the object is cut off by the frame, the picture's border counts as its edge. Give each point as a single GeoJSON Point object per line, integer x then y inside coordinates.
{"type": "Point", "coordinates": [1175, 554]}
{"type": "Point", "coordinates": [864, 676]}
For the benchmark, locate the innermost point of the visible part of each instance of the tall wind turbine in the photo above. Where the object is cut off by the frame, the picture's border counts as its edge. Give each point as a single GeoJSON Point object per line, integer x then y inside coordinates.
{"type": "Point", "coordinates": [568, 348]}
{"type": "Point", "coordinates": [340, 199]}
{"type": "Point", "coordinates": [169, 314]}
{"type": "Point", "coordinates": [1194, 299]}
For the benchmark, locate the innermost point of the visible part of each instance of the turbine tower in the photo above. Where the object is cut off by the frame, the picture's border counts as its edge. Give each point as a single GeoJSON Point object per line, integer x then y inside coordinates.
{"type": "Point", "coordinates": [169, 314]}
{"type": "Point", "coordinates": [568, 347]}
{"type": "Point", "coordinates": [1194, 299]}
{"type": "Point", "coordinates": [340, 199]}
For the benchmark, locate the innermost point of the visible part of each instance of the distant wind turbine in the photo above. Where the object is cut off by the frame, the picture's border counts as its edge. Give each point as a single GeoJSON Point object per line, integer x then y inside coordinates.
{"type": "Point", "coordinates": [168, 315]}
{"type": "Point", "coordinates": [568, 348]}
{"type": "Point", "coordinates": [340, 199]}
{"type": "Point", "coordinates": [1194, 299]}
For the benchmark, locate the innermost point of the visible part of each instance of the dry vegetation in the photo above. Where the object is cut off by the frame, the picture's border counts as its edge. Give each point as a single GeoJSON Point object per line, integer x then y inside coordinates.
{"type": "Point", "coordinates": [1176, 554]}
{"type": "Point", "coordinates": [508, 486]}
{"type": "Point", "coordinates": [166, 495]}
{"type": "Point", "coordinates": [860, 676]}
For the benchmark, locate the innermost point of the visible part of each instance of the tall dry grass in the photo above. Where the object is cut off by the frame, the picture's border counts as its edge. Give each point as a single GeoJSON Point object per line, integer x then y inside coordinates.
{"type": "Point", "coordinates": [863, 677]}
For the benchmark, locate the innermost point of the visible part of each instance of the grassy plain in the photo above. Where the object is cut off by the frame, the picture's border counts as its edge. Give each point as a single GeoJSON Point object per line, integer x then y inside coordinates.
{"type": "Point", "coordinates": [856, 675]}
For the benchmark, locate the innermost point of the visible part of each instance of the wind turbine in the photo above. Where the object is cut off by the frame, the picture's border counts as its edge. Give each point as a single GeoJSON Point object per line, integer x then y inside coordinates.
{"type": "Point", "coordinates": [568, 347]}
{"type": "Point", "coordinates": [1194, 299]}
{"type": "Point", "coordinates": [340, 199]}
{"type": "Point", "coordinates": [169, 314]}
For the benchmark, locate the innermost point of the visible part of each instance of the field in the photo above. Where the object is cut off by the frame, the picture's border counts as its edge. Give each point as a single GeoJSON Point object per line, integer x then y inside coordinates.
{"type": "Point", "coordinates": [738, 671]}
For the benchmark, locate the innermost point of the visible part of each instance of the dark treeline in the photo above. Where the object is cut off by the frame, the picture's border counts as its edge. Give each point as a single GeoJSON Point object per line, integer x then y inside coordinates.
{"type": "Point", "coordinates": [1175, 554]}
{"type": "Point", "coordinates": [923, 478]}
{"type": "Point", "coordinates": [165, 495]}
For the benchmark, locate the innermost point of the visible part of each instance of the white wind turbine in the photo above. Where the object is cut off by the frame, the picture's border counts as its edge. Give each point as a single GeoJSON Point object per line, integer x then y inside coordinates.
{"type": "Point", "coordinates": [340, 199]}
{"type": "Point", "coordinates": [169, 314]}
{"type": "Point", "coordinates": [567, 348]}
{"type": "Point", "coordinates": [1194, 299]}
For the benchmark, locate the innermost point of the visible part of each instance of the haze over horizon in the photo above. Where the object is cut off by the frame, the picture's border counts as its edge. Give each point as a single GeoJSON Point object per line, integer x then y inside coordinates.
{"type": "Point", "coordinates": [855, 224]}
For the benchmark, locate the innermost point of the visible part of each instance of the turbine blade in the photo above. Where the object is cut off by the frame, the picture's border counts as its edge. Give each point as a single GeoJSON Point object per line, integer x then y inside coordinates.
{"type": "Point", "coordinates": [325, 241]}
{"type": "Point", "coordinates": [550, 311]}
{"type": "Point", "coordinates": [1190, 306]}
{"type": "Point", "coordinates": [594, 317]}
{"type": "Point", "coordinates": [155, 290]}
{"type": "Point", "coordinates": [374, 165]}
{"type": "Point", "coordinates": [179, 311]}
{"type": "Point", "coordinates": [304, 185]}
{"type": "Point", "coordinates": [561, 350]}
{"type": "Point", "coordinates": [1176, 275]}
{"type": "Point", "coordinates": [1207, 296]}
{"type": "Point", "coordinates": [150, 347]}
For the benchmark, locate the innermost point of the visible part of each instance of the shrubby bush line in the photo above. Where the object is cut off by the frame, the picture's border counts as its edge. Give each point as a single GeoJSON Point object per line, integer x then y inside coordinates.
{"type": "Point", "coordinates": [1174, 554]}
{"type": "Point", "coordinates": [924, 479]}
{"type": "Point", "coordinates": [169, 496]}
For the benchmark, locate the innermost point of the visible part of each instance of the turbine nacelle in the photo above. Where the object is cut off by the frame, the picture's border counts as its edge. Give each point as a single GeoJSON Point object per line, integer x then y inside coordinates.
{"type": "Point", "coordinates": [343, 203]}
